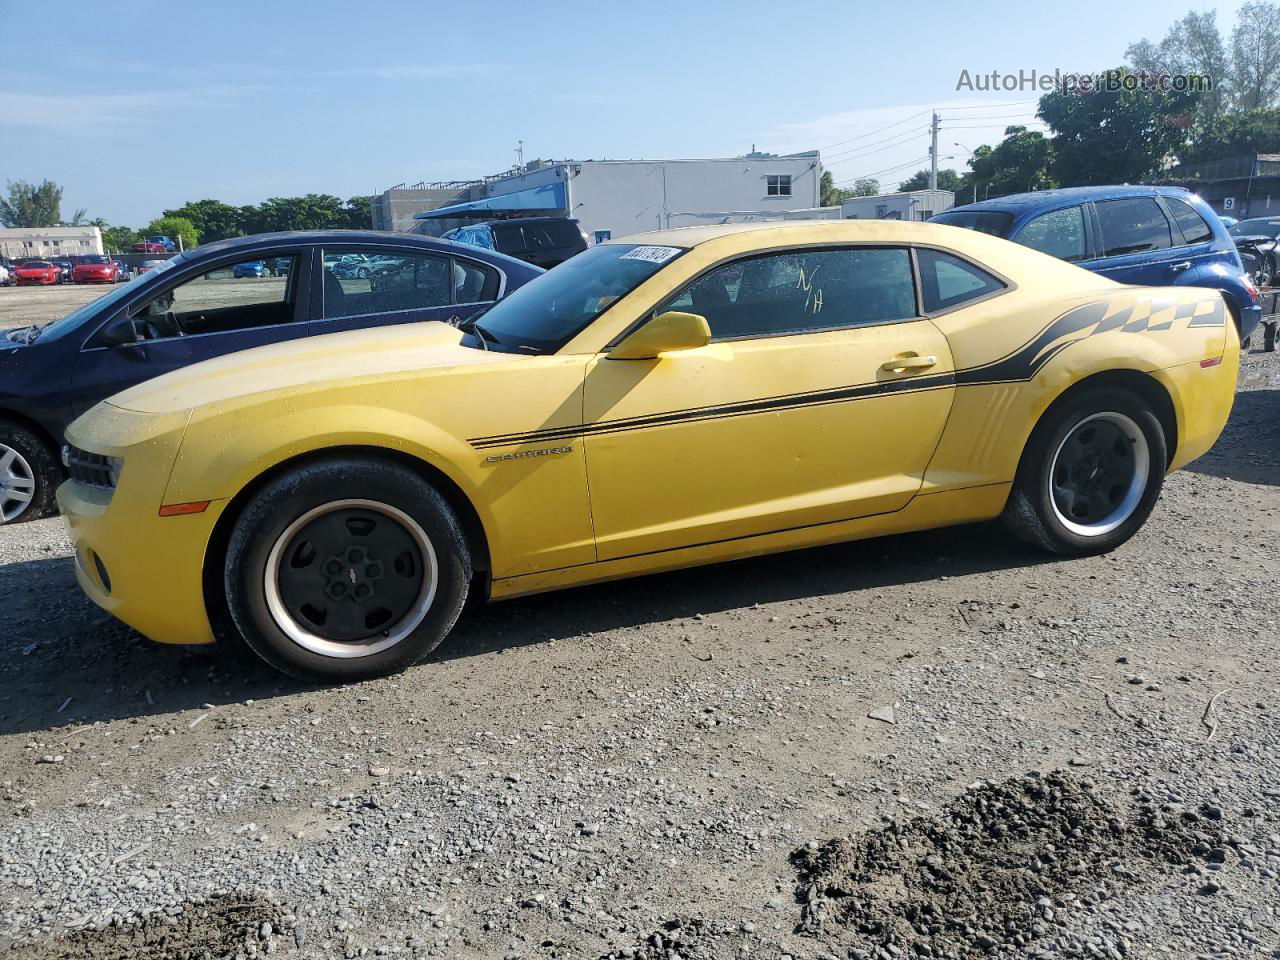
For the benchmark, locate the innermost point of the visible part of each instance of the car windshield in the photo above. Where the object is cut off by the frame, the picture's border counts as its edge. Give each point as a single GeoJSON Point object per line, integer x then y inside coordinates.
{"type": "Point", "coordinates": [544, 315]}
{"type": "Point", "coordinates": [94, 260]}
{"type": "Point", "coordinates": [37, 264]}
{"type": "Point", "coordinates": [994, 222]}
{"type": "Point", "coordinates": [1255, 228]}
{"type": "Point", "coordinates": [72, 320]}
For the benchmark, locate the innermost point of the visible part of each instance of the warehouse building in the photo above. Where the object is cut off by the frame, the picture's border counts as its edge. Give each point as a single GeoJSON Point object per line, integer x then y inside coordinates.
{"type": "Point", "coordinates": [912, 205]}
{"type": "Point", "coordinates": [614, 198]}
{"type": "Point", "coordinates": [17, 243]}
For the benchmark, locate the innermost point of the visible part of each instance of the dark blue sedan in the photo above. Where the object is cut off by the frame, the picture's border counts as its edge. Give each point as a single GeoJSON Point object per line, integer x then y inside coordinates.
{"type": "Point", "coordinates": [1152, 236]}
{"type": "Point", "coordinates": [192, 308]}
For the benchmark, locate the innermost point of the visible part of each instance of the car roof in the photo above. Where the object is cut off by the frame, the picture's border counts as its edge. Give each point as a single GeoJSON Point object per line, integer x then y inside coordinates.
{"type": "Point", "coordinates": [253, 243]}
{"type": "Point", "coordinates": [489, 223]}
{"type": "Point", "coordinates": [1021, 202]}
{"type": "Point", "coordinates": [835, 230]}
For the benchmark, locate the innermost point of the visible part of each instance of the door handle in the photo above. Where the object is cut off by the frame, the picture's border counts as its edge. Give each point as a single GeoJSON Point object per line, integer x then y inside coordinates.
{"type": "Point", "coordinates": [903, 364]}
{"type": "Point", "coordinates": [1179, 267]}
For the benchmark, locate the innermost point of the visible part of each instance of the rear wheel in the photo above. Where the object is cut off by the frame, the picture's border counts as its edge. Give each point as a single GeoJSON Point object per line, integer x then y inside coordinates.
{"type": "Point", "coordinates": [29, 475]}
{"type": "Point", "coordinates": [346, 570]}
{"type": "Point", "coordinates": [1271, 337]}
{"type": "Point", "coordinates": [1090, 474]}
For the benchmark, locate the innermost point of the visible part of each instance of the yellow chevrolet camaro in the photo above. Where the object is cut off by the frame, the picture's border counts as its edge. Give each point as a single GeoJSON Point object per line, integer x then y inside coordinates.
{"type": "Point", "coordinates": [670, 399]}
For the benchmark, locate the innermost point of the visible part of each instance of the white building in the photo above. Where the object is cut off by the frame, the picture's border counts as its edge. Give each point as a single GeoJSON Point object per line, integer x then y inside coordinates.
{"type": "Point", "coordinates": [913, 205]}
{"type": "Point", "coordinates": [43, 242]}
{"type": "Point", "coordinates": [614, 198]}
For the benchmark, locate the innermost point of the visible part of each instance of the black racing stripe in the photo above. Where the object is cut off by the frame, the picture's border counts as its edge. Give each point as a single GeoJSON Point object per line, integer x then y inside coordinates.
{"type": "Point", "coordinates": [1019, 366]}
{"type": "Point", "coordinates": [723, 411]}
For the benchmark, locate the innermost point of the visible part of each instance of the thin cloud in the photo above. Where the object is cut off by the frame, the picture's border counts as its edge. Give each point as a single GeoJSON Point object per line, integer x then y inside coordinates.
{"type": "Point", "coordinates": [100, 113]}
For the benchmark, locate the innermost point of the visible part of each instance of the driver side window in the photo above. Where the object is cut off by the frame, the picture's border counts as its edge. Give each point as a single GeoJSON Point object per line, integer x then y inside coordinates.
{"type": "Point", "coordinates": [234, 296]}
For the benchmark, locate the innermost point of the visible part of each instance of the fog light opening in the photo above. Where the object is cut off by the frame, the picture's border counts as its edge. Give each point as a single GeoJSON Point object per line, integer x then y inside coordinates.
{"type": "Point", "coordinates": [104, 578]}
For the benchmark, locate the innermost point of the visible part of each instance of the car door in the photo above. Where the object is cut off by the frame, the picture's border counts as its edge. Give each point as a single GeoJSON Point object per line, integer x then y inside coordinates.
{"type": "Point", "coordinates": [820, 398]}
{"type": "Point", "coordinates": [190, 319]}
{"type": "Point", "coordinates": [1197, 240]}
{"type": "Point", "coordinates": [1136, 243]}
{"type": "Point", "coordinates": [399, 286]}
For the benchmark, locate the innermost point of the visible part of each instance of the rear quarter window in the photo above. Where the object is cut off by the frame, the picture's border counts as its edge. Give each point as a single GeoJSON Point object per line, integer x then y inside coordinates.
{"type": "Point", "coordinates": [1194, 227]}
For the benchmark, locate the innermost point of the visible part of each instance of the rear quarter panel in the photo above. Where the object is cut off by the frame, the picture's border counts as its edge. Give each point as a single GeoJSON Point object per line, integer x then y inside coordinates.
{"type": "Point", "coordinates": [1016, 354]}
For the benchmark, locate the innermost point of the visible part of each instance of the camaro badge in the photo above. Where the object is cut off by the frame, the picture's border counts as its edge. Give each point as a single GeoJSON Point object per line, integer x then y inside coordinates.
{"type": "Point", "coordinates": [522, 454]}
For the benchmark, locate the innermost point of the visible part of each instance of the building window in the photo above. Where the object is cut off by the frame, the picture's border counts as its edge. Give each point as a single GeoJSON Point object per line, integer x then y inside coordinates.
{"type": "Point", "coordinates": [778, 184]}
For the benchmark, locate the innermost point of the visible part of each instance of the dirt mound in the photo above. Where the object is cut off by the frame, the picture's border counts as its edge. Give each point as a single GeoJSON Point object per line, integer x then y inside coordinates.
{"type": "Point", "coordinates": [996, 868]}
{"type": "Point", "coordinates": [214, 930]}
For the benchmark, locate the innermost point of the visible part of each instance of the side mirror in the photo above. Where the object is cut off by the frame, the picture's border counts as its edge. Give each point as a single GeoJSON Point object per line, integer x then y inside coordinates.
{"type": "Point", "coordinates": [673, 330]}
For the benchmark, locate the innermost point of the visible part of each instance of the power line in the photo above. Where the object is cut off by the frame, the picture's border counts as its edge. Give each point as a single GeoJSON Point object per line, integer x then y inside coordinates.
{"type": "Point", "coordinates": [981, 126]}
{"type": "Point", "coordinates": [876, 173]}
{"type": "Point", "coordinates": [991, 106]}
{"type": "Point", "coordinates": [872, 133]}
{"type": "Point", "coordinates": [1004, 116]}
{"type": "Point", "coordinates": [863, 151]}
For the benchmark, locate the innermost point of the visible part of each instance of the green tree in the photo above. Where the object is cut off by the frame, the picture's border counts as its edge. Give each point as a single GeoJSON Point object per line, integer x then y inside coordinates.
{"type": "Point", "coordinates": [119, 239]}
{"type": "Point", "coordinates": [29, 205]}
{"type": "Point", "coordinates": [358, 213]}
{"type": "Point", "coordinates": [1255, 55]}
{"type": "Point", "coordinates": [213, 219]}
{"type": "Point", "coordinates": [1113, 137]}
{"type": "Point", "coordinates": [175, 227]}
{"type": "Point", "coordinates": [1235, 135]}
{"type": "Point", "coordinates": [829, 195]}
{"type": "Point", "coordinates": [1193, 45]}
{"type": "Point", "coordinates": [947, 180]}
{"type": "Point", "coordinates": [865, 187]}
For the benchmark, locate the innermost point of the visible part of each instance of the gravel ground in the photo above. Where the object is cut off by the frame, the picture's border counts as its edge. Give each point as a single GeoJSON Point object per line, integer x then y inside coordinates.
{"type": "Point", "coordinates": [792, 756]}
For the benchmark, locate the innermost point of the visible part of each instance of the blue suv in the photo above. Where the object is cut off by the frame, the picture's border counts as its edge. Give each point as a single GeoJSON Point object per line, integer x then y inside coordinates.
{"type": "Point", "coordinates": [1152, 236]}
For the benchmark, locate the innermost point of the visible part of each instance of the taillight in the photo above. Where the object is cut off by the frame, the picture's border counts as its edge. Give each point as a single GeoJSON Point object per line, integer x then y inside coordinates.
{"type": "Point", "coordinates": [1253, 290]}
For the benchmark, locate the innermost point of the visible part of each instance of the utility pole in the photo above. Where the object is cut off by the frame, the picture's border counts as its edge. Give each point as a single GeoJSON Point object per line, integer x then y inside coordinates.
{"type": "Point", "coordinates": [933, 153]}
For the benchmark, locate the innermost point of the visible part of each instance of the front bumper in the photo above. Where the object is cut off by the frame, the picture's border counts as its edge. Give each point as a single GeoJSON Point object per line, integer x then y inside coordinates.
{"type": "Point", "coordinates": [140, 567]}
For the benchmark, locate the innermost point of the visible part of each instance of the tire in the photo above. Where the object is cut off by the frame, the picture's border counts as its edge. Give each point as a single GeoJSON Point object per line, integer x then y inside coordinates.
{"type": "Point", "coordinates": [400, 570]}
{"type": "Point", "coordinates": [1090, 474]}
{"type": "Point", "coordinates": [1267, 271]}
{"type": "Point", "coordinates": [1271, 337]}
{"type": "Point", "coordinates": [29, 475]}
{"type": "Point", "coordinates": [362, 273]}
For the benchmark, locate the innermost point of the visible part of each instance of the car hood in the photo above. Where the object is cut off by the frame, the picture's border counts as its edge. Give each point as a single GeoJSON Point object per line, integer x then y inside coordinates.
{"type": "Point", "coordinates": [310, 362]}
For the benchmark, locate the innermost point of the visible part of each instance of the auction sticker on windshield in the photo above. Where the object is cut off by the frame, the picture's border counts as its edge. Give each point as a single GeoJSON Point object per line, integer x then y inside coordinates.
{"type": "Point", "coordinates": [651, 254]}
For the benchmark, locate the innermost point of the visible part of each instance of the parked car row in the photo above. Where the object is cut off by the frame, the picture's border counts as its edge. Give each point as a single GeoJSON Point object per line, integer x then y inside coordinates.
{"type": "Point", "coordinates": [85, 268]}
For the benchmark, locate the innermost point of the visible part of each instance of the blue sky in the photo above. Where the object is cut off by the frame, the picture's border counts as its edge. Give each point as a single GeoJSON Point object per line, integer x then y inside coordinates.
{"type": "Point", "coordinates": [138, 106]}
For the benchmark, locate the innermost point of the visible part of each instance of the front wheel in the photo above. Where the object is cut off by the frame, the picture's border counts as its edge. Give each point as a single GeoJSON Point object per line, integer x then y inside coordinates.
{"type": "Point", "coordinates": [29, 475]}
{"type": "Point", "coordinates": [1090, 474]}
{"type": "Point", "coordinates": [346, 570]}
{"type": "Point", "coordinates": [1271, 338]}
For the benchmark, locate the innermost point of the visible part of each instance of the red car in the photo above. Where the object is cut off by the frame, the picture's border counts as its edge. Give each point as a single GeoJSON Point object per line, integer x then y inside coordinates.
{"type": "Point", "coordinates": [147, 246]}
{"type": "Point", "coordinates": [35, 272]}
{"type": "Point", "coordinates": [95, 270]}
